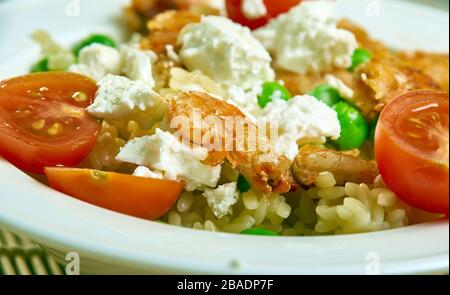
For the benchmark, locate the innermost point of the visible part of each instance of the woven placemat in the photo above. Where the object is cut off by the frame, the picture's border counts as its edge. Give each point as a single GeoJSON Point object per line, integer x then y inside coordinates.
{"type": "Point", "coordinates": [20, 256]}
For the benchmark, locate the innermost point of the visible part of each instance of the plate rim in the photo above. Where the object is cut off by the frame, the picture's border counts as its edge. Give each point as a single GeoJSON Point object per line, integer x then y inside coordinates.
{"type": "Point", "coordinates": [92, 249]}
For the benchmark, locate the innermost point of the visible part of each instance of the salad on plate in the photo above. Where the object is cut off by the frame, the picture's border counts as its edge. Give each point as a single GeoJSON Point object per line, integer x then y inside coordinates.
{"type": "Point", "coordinates": [241, 116]}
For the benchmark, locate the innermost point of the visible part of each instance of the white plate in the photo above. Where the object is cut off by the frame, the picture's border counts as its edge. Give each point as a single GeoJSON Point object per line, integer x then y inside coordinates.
{"type": "Point", "coordinates": [109, 242]}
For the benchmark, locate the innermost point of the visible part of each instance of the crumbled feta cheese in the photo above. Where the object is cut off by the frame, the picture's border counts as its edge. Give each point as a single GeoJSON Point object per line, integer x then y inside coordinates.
{"type": "Point", "coordinates": [142, 171]}
{"type": "Point", "coordinates": [137, 64]}
{"type": "Point", "coordinates": [164, 152]}
{"type": "Point", "coordinates": [340, 86]}
{"type": "Point", "coordinates": [301, 119]}
{"type": "Point", "coordinates": [253, 9]}
{"type": "Point", "coordinates": [246, 101]}
{"type": "Point", "coordinates": [225, 51]}
{"type": "Point", "coordinates": [307, 40]}
{"type": "Point", "coordinates": [119, 98]}
{"type": "Point", "coordinates": [96, 61]}
{"type": "Point", "coordinates": [221, 199]}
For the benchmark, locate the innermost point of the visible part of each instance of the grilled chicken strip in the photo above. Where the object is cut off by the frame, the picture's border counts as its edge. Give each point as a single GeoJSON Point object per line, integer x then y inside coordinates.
{"type": "Point", "coordinates": [388, 75]}
{"type": "Point", "coordinates": [434, 65]}
{"type": "Point", "coordinates": [265, 175]}
{"type": "Point", "coordinates": [313, 160]}
{"type": "Point", "coordinates": [381, 80]}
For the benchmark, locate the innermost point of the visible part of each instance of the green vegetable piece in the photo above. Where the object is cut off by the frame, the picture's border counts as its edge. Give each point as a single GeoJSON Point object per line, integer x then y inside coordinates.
{"type": "Point", "coordinates": [242, 184]}
{"type": "Point", "coordinates": [95, 38]}
{"type": "Point", "coordinates": [40, 66]}
{"type": "Point", "coordinates": [271, 90]}
{"type": "Point", "coordinates": [354, 128]}
{"type": "Point", "coordinates": [373, 127]}
{"type": "Point", "coordinates": [326, 94]}
{"type": "Point", "coordinates": [360, 56]}
{"type": "Point", "coordinates": [259, 232]}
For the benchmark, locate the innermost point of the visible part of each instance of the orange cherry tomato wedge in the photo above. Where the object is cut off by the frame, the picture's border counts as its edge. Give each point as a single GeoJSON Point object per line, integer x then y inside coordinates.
{"type": "Point", "coordinates": [132, 195]}
{"type": "Point", "coordinates": [43, 121]}
{"type": "Point", "coordinates": [412, 149]}
{"type": "Point", "coordinates": [274, 8]}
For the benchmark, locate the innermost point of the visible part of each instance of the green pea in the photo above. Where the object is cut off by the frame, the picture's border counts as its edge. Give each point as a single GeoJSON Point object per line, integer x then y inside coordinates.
{"type": "Point", "coordinates": [271, 89]}
{"type": "Point", "coordinates": [373, 127]}
{"type": "Point", "coordinates": [40, 66]}
{"type": "Point", "coordinates": [242, 184]}
{"type": "Point", "coordinates": [95, 38]}
{"type": "Point", "coordinates": [360, 56]}
{"type": "Point", "coordinates": [354, 129]}
{"type": "Point", "coordinates": [326, 94]}
{"type": "Point", "coordinates": [259, 232]}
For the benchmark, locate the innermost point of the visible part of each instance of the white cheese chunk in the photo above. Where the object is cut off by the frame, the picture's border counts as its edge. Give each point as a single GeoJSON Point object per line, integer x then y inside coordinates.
{"type": "Point", "coordinates": [253, 9]}
{"type": "Point", "coordinates": [137, 64]}
{"type": "Point", "coordinates": [246, 101]}
{"type": "Point", "coordinates": [221, 199]}
{"type": "Point", "coordinates": [142, 171]}
{"type": "Point", "coordinates": [164, 152]}
{"type": "Point", "coordinates": [225, 51]}
{"type": "Point", "coordinates": [96, 61]}
{"type": "Point", "coordinates": [301, 119]}
{"type": "Point", "coordinates": [307, 40]}
{"type": "Point", "coordinates": [341, 87]}
{"type": "Point", "coordinates": [119, 98]}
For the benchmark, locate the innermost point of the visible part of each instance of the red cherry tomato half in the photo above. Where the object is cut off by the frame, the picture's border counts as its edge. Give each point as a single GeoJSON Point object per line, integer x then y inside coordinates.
{"type": "Point", "coordinates": [412, 149]}
{"type": "Point", "coordinates": [274, 8]}
{"type": "Point", "coordinates": [43, 121]}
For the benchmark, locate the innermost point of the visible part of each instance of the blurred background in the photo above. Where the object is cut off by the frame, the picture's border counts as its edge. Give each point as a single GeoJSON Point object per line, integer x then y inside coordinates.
{"type": "Point", "coordinates": [443, 4]}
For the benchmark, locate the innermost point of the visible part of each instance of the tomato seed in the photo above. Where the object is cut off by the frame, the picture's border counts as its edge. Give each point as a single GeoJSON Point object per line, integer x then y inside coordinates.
{"type": "Point", "coordinates": [413, 135]}
{"type": "Point", "coordinates": [418, 122]}
{"type": "Point", "coordinates": [79, 96]}
{"type": "Point", "coordinates": [38, 125]}
{"type": "Point", "coordinates": [99, 175]}
{"type": "Point", "coordinates": [55, 129]}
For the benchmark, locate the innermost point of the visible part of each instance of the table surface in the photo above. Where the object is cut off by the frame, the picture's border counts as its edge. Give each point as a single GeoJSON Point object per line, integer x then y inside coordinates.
{"type": "Point", "coordinates": [19, 255]}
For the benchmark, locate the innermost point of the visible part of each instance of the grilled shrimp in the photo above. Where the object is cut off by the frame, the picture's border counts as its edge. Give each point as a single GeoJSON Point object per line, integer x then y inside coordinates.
{"type": "Point", "coordinates": [313, 160]}
{"type": "Point", "coordinates": [388, 75]}
{"type": "Point", "coordinates": [265, 175]}
{"type": "Point", "coordinates": [139, 11]}
{"type": "Point", "coordinates": [165, 27]}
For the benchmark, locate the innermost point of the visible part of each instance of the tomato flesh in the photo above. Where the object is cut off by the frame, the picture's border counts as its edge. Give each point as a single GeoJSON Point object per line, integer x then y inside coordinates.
{"type": "Point", "coordinates": [43, 121]}
{"type": "Point", "coordinates": [136, 196]}
{"type": "Point", "coordinates": [274, 8]}
{"type": "Point", "coordinates": [412, 149]}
